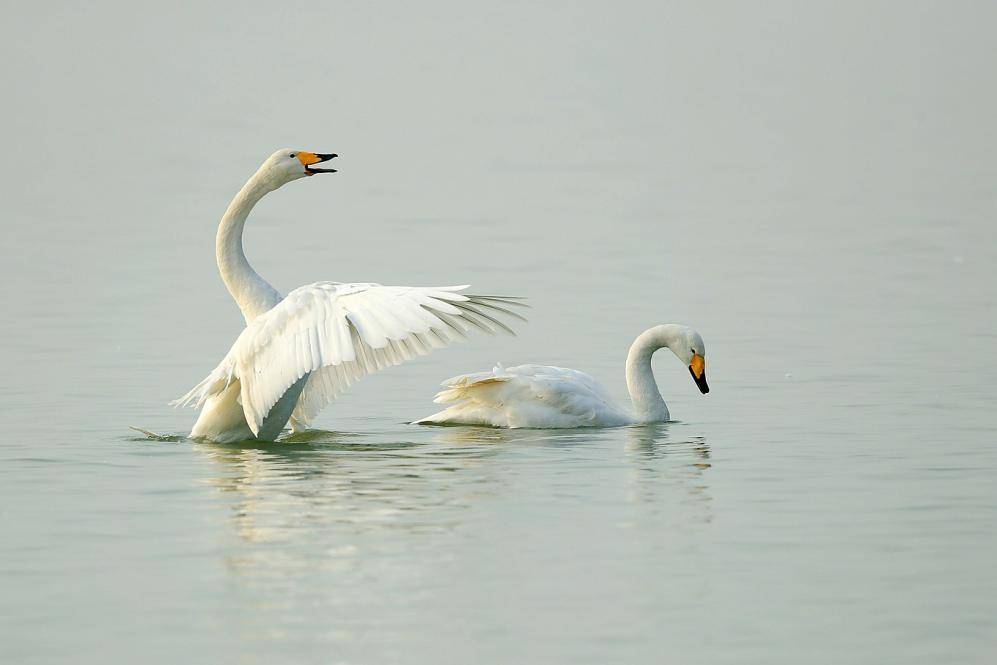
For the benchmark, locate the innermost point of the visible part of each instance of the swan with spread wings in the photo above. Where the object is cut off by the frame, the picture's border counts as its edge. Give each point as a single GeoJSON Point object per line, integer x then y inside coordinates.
{"type": "Point", "coordinates": [299, 352]}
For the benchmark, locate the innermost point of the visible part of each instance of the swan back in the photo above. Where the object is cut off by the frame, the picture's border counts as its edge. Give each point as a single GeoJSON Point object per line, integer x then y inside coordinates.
{"type": "Point", "coordinates": [540, 396]}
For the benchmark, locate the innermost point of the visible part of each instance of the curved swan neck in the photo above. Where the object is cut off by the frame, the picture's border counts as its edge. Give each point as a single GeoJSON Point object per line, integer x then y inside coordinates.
{"type": "Point", "coordinates": [648, 403]}
{"type": "Point", "coordinates": [252, 293]}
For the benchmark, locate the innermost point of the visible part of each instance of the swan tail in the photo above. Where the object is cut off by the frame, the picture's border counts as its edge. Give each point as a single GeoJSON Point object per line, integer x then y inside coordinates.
{"type": "Point", "coordinates": [471, 399]}
{"type": "Point", "coordinates": [459, 414]}
{"type": "Point", "coordinates": [208, 387]}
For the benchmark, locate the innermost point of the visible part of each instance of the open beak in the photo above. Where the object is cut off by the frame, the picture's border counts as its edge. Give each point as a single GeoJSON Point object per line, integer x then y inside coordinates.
{"type": "Point", "coordinates": [307, 159]}
{"type": "Point", "coordinates": [698, 370]}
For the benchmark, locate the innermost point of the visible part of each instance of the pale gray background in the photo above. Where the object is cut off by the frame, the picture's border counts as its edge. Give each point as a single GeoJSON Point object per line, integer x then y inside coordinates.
{"type": "Point", "coordinates": [810, 184]}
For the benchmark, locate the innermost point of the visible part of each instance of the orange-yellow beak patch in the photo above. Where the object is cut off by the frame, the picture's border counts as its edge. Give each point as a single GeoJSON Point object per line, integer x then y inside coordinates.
{"type": "Point", "coordinates": [308, 158]}
{"type": "Point", "coordinates": [698, 366]}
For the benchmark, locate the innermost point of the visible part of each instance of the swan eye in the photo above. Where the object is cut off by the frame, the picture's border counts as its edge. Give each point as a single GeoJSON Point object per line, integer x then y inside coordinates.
{"type": "Point", "coordinates": [292, 155]}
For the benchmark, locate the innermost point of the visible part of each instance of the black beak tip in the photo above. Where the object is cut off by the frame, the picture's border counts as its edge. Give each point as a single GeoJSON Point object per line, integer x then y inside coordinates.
{"type": "Point", "coordinates": [700, 381]}
{"type": "Point", "coordinates": [322, 157]}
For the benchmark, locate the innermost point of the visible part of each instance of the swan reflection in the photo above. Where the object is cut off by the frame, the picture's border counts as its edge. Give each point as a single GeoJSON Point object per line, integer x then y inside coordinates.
{"type": "Point", "coordinates": [665, 463]}
{"type": "Point", "coordinates": [322, 480]}
{"type": "Point", "coordinates": [323, 500]}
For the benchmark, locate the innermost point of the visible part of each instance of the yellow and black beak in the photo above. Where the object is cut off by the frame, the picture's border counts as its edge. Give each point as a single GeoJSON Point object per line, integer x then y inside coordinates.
{"type": "Point", "coordinates": [309, 158]}
{"type": "Point", "coordinates": [698, 370]}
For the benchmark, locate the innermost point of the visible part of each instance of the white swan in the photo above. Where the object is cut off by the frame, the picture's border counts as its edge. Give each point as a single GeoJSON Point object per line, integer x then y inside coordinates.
{"type": "Point", "coordinates": [548, 397]}
{"type": "Point", "coordinates": [297, 353]}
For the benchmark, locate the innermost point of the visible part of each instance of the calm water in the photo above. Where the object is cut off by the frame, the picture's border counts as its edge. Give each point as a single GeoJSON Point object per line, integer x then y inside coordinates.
{"type": "Point", "coordinates": [813, 189]}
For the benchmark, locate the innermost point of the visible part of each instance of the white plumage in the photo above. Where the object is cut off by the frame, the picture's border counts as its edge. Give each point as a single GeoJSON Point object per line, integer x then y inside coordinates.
{"type": "Point", "coordinates": [299, 352]}
{"type": "Point", "coordinates": [338, 333]}
{"type": "Point", "coordinates": [527, 396]}
{"type": "Point", "coordinates": [543, 396]}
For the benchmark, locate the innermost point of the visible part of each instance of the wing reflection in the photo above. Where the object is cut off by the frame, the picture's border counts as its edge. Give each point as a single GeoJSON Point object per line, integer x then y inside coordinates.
{"type": "Point", "coordinates": [324, 480]}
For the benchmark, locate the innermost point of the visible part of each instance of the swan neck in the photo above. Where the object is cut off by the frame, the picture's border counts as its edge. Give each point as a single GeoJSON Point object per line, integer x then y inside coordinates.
{"type": "Point", "coordinates": [648, 404]}
{"type": "Point", "coordinates": [251, 292]}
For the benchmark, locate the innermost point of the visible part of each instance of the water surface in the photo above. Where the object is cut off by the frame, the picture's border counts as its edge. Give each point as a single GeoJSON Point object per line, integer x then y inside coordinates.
{"type": "Point", "coordinates": [812, 188]}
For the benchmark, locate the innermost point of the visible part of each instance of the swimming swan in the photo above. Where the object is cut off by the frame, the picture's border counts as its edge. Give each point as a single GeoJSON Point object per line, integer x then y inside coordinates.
{"type": "Point", "coordinates": [299, 352]}
{"type": "Point", "coordinates": [548, 397]}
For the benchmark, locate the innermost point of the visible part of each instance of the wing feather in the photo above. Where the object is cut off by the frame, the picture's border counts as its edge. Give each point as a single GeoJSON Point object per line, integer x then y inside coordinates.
{"type": "Point", "coordinates": [337, 334]}
{"type": "Point", "coordinates": [470, 308]}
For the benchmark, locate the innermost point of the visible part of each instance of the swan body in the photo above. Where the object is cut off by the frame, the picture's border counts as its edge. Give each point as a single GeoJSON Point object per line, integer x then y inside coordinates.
{"type": "Point", "coordinates": [299, 352]}
{"type": "Point", "coordinates": [543, 396]}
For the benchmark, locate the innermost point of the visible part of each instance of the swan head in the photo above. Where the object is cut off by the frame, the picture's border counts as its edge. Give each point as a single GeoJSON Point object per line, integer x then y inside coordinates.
{"type": "Point", "coordinates": [690, 348]}
{"type": "Point", "coordinates": [288, 164]}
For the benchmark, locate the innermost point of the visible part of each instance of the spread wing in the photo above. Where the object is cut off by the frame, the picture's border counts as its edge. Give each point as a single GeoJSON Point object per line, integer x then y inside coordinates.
{"type": "Point", "coordinates": [339, 333]}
